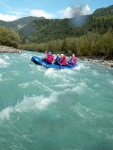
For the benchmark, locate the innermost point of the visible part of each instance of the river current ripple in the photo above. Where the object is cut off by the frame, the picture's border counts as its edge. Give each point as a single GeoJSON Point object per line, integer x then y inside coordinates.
{"type": "Point", "coordinates": [50, 109]}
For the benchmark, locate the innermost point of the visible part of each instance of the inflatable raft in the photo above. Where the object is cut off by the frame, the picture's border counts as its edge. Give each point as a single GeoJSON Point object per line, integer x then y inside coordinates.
{"type": "Point", "coordinates": [39, 61]}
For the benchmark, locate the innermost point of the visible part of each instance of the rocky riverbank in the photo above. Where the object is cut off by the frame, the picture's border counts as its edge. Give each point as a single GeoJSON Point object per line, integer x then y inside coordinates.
{"type": "Point", "coordinates": [98, 60]}
{"type": "Point", "coordinates": [6, 49]}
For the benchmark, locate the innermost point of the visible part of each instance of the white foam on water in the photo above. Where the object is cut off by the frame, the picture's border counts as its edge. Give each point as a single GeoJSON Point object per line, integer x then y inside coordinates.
{"type": "Point", "coordinates": [24, 85]}
{"type": "Point", "coordinates": [28, 104]}
{"type": "Point", "coordinates": [49, 71]}
{"type": "Point", "coordinates": [95, 73]}
{"type": "Point", "coordinates": [35, 83]}
{"type": "Point", "coordinates": [110, 81]}
{"type": "Point", "coordinates": [96, 85]}
{"type": "Point", "coordinates": [82, 111]}
{"type": "Point", "coordinates": [35, 102]}
{"type": "Point", "coordinates": [78, 68]}
{"type": "Point", "coordinates": [5, 113]}
{"type": "Point", "coordinates": [63, 85]}
{"type": "Point", "coordinates": [59, 73]}
{"type": "Point", "coordinates": [83, 65]}
{"type": "Point", "coordinates": [70, 88]}
{"type": "Point", "coordinates": [80, 88]}
{"type": "Point", "coordinates": [15, 72]}
{"type": "Point", "coordinates": [44, 102]}
{"type": "Point", "coordinates": [79, 111]}
{"type": "Point", "coordinates": [89, 114]}
{"type": "Point", "coordinates": [67, 71]}
{"type": "Point", "coordinates": [26, 55]}
{"type": "Point", "coordinates": [53, 73]}
{"type": "Point", "coordinates": [37, 68]}
{"type": "Point", "coordinates": [3, 63]}
{"type": "Point", "coordinates": [27, 84]}
{"type": "Point", "coordinates": [5, 57]}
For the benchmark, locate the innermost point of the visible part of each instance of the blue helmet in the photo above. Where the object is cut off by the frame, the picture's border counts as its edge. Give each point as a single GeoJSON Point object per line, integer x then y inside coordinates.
{"type": "Point", "coordinates": [49, 52]}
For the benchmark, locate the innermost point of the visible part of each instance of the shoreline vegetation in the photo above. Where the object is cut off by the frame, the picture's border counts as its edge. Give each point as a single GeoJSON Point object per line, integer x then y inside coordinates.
{"type": "Point", "coordinates": [6, 49]}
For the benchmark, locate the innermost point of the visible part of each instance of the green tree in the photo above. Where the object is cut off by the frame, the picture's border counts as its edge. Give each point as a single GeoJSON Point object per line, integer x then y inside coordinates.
{"type": "Point", "coordinates": [9, 37]}
{"type": "Point", "coordinates": [104, 45]}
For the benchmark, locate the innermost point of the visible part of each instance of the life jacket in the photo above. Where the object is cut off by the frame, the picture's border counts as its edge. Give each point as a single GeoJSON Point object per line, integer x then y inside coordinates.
{"type": "Point", "coordinates": [50, 58]}
{"type": "Point", "coordinates": [63, 60]}
{"type": "Point", "coordinates": [73, 60]}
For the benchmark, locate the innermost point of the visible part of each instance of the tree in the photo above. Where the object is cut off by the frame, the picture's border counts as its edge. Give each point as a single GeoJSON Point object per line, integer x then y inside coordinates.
{"type": "Point", "coordinates": [105, 45]}
{"type": "Point", "coordinates": [9, 37]}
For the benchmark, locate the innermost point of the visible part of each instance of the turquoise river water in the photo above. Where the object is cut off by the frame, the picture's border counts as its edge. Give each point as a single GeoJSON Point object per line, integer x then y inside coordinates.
{"type": "Point", "coordinates": [48, 109]}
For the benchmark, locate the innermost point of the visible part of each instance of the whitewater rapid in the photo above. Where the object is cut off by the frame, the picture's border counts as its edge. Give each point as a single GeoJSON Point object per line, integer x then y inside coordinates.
{"type": "Point", "coordinates": [63, 109]}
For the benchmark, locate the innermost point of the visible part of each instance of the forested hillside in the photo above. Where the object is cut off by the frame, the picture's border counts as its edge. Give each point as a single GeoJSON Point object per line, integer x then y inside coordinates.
{"type": "Point", "coordinates": [83, 35]}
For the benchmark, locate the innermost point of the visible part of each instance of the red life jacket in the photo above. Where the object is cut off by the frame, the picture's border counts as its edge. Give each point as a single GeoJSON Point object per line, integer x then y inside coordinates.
{"type": "Point", "coordinates": [50, 58]}
{"type": "Point", "coordinates": [63, 61]}
{"type": "Point", "coordinates": [74, 59]}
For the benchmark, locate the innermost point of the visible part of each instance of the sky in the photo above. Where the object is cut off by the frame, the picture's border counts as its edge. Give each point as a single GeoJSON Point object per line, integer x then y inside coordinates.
{"type": "Point", "coordinates": [11, 10]}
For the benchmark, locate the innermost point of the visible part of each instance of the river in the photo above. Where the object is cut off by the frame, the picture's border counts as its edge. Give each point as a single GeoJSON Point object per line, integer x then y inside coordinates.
{"type": "Point", "coordinates": [48, 109]}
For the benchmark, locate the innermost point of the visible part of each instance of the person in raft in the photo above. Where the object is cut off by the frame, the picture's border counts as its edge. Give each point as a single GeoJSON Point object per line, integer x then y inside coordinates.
{"type": "Point", "coordinates": [49, 57]}
{"type": "Point", "coordinates": [57, 59]}
{"type": "Point", "coordinates": [63, 60]}
{"type": "Point", "coordinates": [72, 61]}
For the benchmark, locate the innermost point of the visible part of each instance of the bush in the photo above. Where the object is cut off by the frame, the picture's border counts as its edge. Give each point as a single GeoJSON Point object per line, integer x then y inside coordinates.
{"type": "Point", "coordinates": [9, 37]}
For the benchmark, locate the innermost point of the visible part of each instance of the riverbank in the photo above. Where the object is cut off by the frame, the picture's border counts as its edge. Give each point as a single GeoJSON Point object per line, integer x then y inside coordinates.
{"type": "Point", "coordinates": [6, 49]}
{"type": "Point", "coordinates": [98, 60]}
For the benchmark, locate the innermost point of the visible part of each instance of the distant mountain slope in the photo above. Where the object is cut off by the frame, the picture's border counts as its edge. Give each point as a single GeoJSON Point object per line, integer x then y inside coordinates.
{"type": "Point", "coordinates": [45, 30]}
{"type": "Point", "coordinates": [104, 11]}
{"type": "Point", "coordinates": [38, 29]}
{"type": "Point", "coordinates": [20, 23]}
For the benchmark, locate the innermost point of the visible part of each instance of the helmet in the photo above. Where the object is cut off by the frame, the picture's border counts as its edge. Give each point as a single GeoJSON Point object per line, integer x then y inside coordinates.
{"type": "Point", "coordinates": [50, 52]}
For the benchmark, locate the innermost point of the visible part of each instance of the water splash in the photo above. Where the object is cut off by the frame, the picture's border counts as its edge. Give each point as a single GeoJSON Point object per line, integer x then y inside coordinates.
{"type": "Point", "coordinates": [5, 113]}
{"type": "Point", "coordinates": [39, 106]}
{"type": "Point", "coordinates": [3, 63]}
{"type": "Point", "coordinates": [28, 104]}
